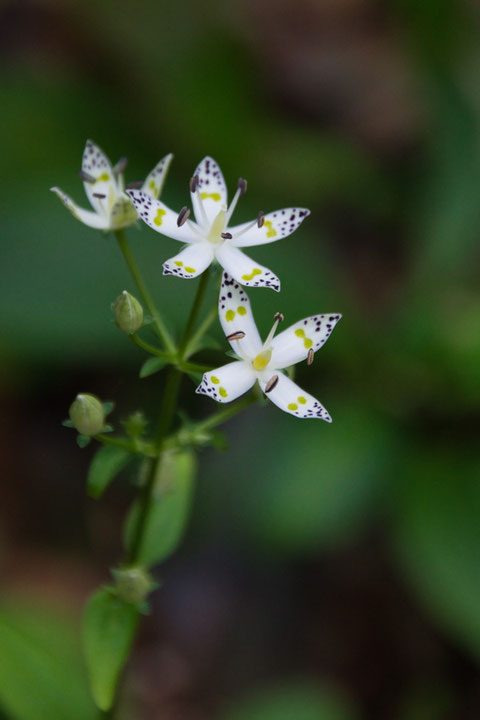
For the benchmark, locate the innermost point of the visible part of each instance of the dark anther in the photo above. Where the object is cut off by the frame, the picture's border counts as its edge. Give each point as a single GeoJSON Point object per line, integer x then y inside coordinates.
{"type": "Point", "coordinates": [239, 335]}
{"type": "Point", "coordinates": [271, 384]}
{"type": "Point", "coordinates": [192, 184]}
{"type": "Point", "coordinates": [119, 168]}
{"type": "Point", "coordinates": [86, 177]}
{"type": "Point", "coordinates": [279, 316]}
{"type": "Point", "coordinates": [261, 219]}
{"type": "Point", "coordinates": [135, 185]}
{"type": "Point", "coordinates": [183, 216]}
{"type": "Point", "coordinates": [226, 236]}
{"type": "Point", "coordinates": [310, 356]}
{"type": "Point", "coordinates": [242, 185]}
{"type": "Point", "coordinates": [101, 196]}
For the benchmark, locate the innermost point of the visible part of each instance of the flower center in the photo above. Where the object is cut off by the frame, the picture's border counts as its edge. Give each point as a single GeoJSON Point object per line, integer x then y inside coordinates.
{"type": "Point", "coordinates": [262, 359]}
{"type": "Point", "coordinates": [217, 228]}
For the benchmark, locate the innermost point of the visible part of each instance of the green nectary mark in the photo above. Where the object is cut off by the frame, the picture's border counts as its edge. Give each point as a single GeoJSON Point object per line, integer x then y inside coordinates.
{"type": "Point", "coordinates": [301, 334]}
{"type": "Point", "coordinates": [229, 315]}
{"type": "Point", "coordinates": [179, 263]}
{"type": "Point", "coordinates": [189, 269]}
{"type": "Point", "coordinates": [222, 392]}
{"type": "Point", "coordinates": [271, 232]}
{"type": "Point", "coordinates": [158, 218]}
{"type": "Point", "coordinates": [152, 186]}
{"type": "Point", "coordinates": [292, 406]}
{"type": "Point", "coordinates": [255, 271]}
{"type": "Point", "coordinates": [214, 379]}
{"type": "Point", "coordinates": [212, 196]}
{"type": "Point", "coordinates": [301, 400]}
{"type": "Point", "coordinates": [104, 177]}
{"type": "Point", "coordinates": [242, 310]}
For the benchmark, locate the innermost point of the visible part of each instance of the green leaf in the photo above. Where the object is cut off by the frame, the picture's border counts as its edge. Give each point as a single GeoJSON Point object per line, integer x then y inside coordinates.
{"type": "Point", "coordinates": [195, 377]}
{"type": "Point", "coordinates": [438, 536]}
{"type": "Point", "coordinates": [151, 366]}
{"type": "Point", "coordinates": [106, 464]}
{"type": "Point", "coordinates": [40, 670]}
{"type": "Point", "coordinates": [167, 516]}
{"type": "Point", "coordinates": [108, 632]}
{"type": "Point", "coordinates": [108, 406]}
{"type": "Point", "coordinates": [83, 441]}
{"type": "Point", "coordinates": [67, 423]}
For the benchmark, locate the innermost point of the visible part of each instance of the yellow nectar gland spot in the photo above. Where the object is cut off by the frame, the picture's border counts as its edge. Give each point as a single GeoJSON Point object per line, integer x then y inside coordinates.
{"type": "Point", "coordinates": [222, 392]}
{"type": "Point", "coordinates": [152, 186]}
{"type": "Point", "coordinates": [255, 271]}
{"type": "Point", "coordinates": [214, 379]}
{"type": "Point", "coordinates": [301, 400]}
{"type": "Point", "coordinates": [189, 269]}
{"type": "Point", "coordinates": [104, 177]}
{"type": "Point", "coordinates": [229, 315]}
{"type": "Point", "coordinates": [179, 263]}
{"type": "Point", "coordinates": [262, 360]}
{"type": "Point", "coordinates": [158, 218]}
{"type": "Point", "coordinates": [308, 343]}
{"type": "Point", "coordinates": [242, 310]}
{"type": "Point", "coordinates": [300, 333]}
{"type": "Point", "coordinates": [292, 406]}
{"type": "Point", "coordinates": [271, 232]}
{"type": "Point", "coordinates": [212, 196]}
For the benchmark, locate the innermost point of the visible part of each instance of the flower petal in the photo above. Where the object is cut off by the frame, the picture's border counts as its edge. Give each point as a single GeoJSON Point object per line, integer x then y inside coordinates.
{"type": "Point", "coordinates": [159, 217]}
{"type": "Point", "coordinates": [245, 270]}
{"type": "Point", "coordinates": [155, 180]}
{"type": "Point", "coordinates": [190, 262]}
{"type": "Point", "coordinates": [212, 188]}
{"type": "Point", "coordinates": [97, 164]}
{"type": "Point", "coordinates": [293, 344]}
{"type": "Point", "coordinates": [277, 225]}
{"type": "Point", "coordinates": [92, 219]}
{"type": "Point", "coordinates": [235, 313]}
{"type": "Point", "coordinates": [288, 396]}
{"type": "Point", "coordinates": [227, 383]}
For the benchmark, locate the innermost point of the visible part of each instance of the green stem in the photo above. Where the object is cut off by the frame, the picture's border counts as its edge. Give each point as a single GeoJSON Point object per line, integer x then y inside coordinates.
{"type": "Point", "coordinates": [192, 345]}
{"type": "Point", "coordinates": [197, 303]}
{"type": "Point", "coordinates": [151, 349]}
{"type": "Point", "coordinates": [143, 290]}
{"type": "Point", "coordinates": [224, 415]}
{"type": "Point", "coordinates": [134, 446]}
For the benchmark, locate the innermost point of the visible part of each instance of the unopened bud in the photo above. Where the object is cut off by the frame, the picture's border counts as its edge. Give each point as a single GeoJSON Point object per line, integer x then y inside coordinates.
{"type": "Point", "coordinates": [133, 584]}
{"type": "Point", "coordinates": [128, 313]}
{"type": "Point", "coordinates": [87, 414]}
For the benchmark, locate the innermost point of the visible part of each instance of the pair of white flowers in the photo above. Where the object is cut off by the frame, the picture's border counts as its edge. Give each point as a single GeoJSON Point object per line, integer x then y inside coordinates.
{"type": "Point", "coordinates": [211, 237]}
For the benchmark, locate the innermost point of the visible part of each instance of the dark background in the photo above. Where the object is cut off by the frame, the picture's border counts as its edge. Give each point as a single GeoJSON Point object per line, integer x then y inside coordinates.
{"type": "Point", "coordinates": [329, 572]}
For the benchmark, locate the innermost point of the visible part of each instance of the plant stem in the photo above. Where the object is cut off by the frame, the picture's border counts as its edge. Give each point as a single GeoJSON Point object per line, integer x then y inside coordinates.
{"type": "Point", "coordinates": [224, 415]}
{"type": "Point", "coordinates": [197, 303]}
{"type": "Point", "coordinates": [143, 290]}
{"type": "Point", "coordinates": [151, 349]}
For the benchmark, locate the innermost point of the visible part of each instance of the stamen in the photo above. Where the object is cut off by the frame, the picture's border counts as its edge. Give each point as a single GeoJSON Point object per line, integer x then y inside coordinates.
{"type": "Point", "coordinates": [193, 183]}
{"type": "Point", "coordinates": [246, 229]}
{"type": "Point", "coordinates": [194, 186]}
{"type": "Point", "coordinates": [242, 186]}
{"type": "Point", "coordinates": [278, 318]}
{"type": "Point", "coordinates": [119, 168]}
{"type": "Point", "coordinates": [272, 383]}
{"type": "Point", "coordinates": [135, 185]}
{"type": "Point", "coordinates": [261, 219]}
{"type": "Point", "coordinates": [183, 216]}
{"type": "Point", "coordinates": [310, 356]}
{"type": "Point", "coordinates": [86, 177]}
{"type": "Point", "coordinates": [239, 335]}
{"type": "Point", "coordinates": [100, 196]}
{"type": "Point", "coordinates": [194, 227]}
{"type": "Point", "coordinates": [226, 236]}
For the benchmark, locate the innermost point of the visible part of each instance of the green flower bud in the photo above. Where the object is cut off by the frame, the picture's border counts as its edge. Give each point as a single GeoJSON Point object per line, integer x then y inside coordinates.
{"type": "Point", "coordinates": [133, 584]}
{"type": "Point", "coordinates": [128, 313]}
{"type": "Point", "coordinates": [87, 414]}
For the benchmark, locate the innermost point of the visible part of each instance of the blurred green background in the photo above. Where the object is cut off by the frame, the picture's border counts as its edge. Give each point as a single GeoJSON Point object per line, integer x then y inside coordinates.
{"type": "Point", "coordinates": [329, 572]}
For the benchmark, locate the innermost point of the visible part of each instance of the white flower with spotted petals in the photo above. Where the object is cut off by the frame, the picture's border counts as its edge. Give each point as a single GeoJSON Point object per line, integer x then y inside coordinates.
{"type": "Point", "coordinates": [105, 189]}
{"type": "Point", "coordinates": [212, 236]}
{"type": "Point", "coordinates": [264, 362]}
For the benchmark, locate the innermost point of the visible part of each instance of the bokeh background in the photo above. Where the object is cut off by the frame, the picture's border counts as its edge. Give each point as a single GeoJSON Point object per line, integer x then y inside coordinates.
{"type": "Point", "coordinates": [329, 572]}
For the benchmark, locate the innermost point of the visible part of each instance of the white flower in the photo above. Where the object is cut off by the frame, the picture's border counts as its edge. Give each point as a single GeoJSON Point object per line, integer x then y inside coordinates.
{"type": "Point", "coordinates": [264, 362]}
{"type": "Point", "coordinates": [104, 187]}
{"type": "Point", "coordinates": [211, 235]}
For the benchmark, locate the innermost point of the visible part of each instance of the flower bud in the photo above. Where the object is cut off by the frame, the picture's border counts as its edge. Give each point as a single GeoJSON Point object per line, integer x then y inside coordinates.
{"type": "Point", "coordinates": [128, 313]}
{"type": "Point", "coordinates": [87, 414]}
{"type": "Point", "coordinates": [133, 584]}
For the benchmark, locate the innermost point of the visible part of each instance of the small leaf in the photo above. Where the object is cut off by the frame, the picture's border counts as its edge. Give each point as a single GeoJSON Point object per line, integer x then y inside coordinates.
{"type": "Point", "coordinates": [195, 377]}
{"type": "Point", "coordinates": [67, 423]}
{"type": "Point", "coordinates": [108, 406]}
{"type": "Point", "coordinates": [232, 354]}
{"type": "Point", "coordinates": [168, 513]}
{"type": "Point", "coordinates": [147, 320]}
{"type": "Point", "coordinates": [83, 441]}
{"type": "Point", "coordinates": [151, 366]}
{"type": "Point", "coordinates": [106, 464]}
{"type": "Point", "coordinates": [108, 632]}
